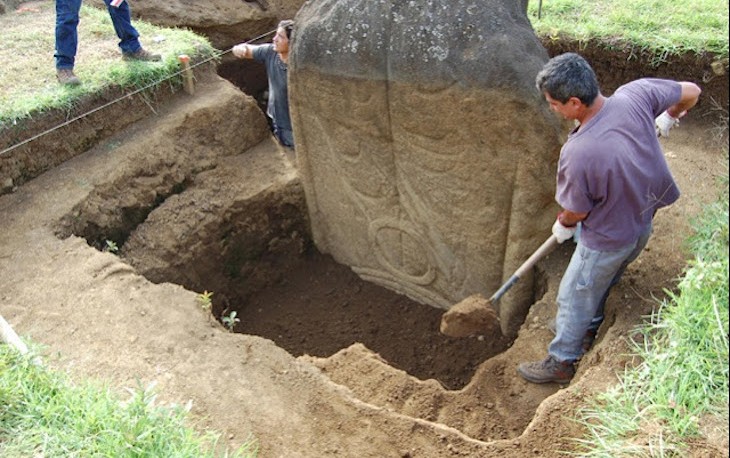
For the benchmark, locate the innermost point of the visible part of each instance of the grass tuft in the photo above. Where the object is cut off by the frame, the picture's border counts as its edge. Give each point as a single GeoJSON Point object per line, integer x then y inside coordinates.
{"type": "Point", "coordinates": [43, 414]}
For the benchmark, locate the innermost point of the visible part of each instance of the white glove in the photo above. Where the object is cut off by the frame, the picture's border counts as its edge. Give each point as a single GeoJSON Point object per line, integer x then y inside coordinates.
{"type": "Point", "coordinates": [664, 123]}
{"type": "Point", "coordinates": [561, 232]}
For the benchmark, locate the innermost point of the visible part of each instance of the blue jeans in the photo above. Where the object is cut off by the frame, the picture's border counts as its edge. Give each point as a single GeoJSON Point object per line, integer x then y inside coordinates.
{"type": "Point", "coordinates": [67, 21]}
{"type": "Point", "coordinates": [583, 292]}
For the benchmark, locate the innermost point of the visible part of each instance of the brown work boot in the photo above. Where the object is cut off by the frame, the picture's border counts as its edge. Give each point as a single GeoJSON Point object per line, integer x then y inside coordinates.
{"type": "Point", "coordinates": [546, 371]}
{"type": "Point", "coordinates": [66, 77]}
{"type": "Point", "coordinates": [141, 55]}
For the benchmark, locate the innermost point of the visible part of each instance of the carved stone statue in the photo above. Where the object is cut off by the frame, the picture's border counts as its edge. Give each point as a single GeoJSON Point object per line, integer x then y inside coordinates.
{"type": "Point", "coordinates": [426, 153]}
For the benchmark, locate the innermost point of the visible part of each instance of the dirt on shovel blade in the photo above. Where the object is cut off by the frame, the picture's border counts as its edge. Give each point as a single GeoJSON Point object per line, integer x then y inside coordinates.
{"type": "Point", "coordinates": [473, 315]}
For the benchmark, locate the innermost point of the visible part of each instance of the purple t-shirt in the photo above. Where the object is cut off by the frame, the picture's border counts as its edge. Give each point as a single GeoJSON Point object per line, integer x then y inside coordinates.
{"type": "Point", "coordinates": [613, 167]}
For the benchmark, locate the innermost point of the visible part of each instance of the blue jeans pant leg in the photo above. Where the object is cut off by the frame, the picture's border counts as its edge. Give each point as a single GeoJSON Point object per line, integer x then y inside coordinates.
{"type": "Point", "coordinates": [122, 21]}
{"type": "Point", "coordinates": [640, 245]}
{"type": "Point", "coordinates": [67, 21]}
{"type": "Point", "coordinates": [584, 287]}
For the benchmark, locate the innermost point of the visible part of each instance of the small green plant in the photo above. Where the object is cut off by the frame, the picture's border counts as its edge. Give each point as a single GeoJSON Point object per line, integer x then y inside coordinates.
{"type": "Point", "coordinates": [111, 246]}
{"type": "Point", "coordinates": [205, 299]}
{"type": "Point", "coordinates": [230, 320]}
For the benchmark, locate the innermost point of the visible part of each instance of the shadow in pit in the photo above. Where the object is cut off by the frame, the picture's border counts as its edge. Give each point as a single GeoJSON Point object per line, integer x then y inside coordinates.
{"type": "Point", "coordinates": [258, 260]}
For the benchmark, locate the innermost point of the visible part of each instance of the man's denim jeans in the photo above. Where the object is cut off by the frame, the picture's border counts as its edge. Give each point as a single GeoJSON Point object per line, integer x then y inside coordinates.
{"type": "Point", "coordinates": [583, 292]}
{"type": "Point", "coordinates": [67, 21]}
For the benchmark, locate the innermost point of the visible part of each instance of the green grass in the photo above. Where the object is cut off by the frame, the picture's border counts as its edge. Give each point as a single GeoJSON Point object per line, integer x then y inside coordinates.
{"type": "Point", "coordinates": [28, 84]}
{"type": "Point", "coordinates": [43, 414]}
{"type": "Point", "coordinates": [663, 27]}
{"type": "Point", "coordinates": [658, 407]}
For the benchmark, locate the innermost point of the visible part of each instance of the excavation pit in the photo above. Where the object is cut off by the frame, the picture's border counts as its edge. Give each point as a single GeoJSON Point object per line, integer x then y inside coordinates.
{"type": "Point", "coordinates": [276, 281]}
{"type": "Point", "coordinates": [320, 307]}
{"type": "Point", "coordinates": [223, 211]}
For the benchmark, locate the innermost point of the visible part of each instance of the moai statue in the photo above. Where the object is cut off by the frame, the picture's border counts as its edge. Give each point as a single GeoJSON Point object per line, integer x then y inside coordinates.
{"type": "Point", "coordinates": [426, 152]}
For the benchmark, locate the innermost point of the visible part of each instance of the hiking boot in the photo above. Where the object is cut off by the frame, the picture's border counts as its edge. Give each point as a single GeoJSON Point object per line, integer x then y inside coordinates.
{"type": "Point", "coordinates": [588, 338]}
{"type": "Point", "coordinates": [546, 371]}
{"type": "Point", "coordinates": [66, 77]}
{"type": "Point", "coordinates": [141, 55]}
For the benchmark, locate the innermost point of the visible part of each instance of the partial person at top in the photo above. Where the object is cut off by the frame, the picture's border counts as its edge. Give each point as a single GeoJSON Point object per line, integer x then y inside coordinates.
{"type": "Point", "coordinates": [612, 178]}
{"type": "Point", "coordinates": [67, 21]}
{"type": "Point", "coordinates": [275, 56]}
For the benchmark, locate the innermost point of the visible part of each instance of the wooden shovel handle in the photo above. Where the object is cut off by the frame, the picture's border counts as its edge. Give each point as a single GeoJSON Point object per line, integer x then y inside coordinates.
{"type": "Point", "coordinates": [546, 247]}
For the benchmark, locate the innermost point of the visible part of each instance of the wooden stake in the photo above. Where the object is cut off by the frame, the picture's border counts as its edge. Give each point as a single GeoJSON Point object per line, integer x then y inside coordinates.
{"type": "Point", "coordinates": [188, 82]}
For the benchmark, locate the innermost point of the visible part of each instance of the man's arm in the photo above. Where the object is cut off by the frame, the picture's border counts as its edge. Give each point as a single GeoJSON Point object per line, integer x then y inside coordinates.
{"type": "Point", "coordinates": [569, 219]}
{"type": "Point", "coordinates": [565, 225]}
{"type": "Point", "coordinates": [243, 50]}
{"type": "Point", "coordinates": [690, 94]}
{"type": "Point", "coordinates": [670, 117]}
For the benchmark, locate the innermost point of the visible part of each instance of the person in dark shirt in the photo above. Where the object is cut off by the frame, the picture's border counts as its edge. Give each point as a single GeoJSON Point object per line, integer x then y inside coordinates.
{"type": "Point", "coordinates": [275, 56]}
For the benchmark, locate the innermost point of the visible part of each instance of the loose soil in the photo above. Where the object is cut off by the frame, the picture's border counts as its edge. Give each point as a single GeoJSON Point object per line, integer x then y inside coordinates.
{"type": "Point", "coordinates": [322, 363]}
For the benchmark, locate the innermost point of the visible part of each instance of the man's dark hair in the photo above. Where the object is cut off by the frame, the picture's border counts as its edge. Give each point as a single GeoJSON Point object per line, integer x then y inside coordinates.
{"type": "Point", "coordinates": [568, 75]}
{"type": "Point", "coordinates": [288, 26]}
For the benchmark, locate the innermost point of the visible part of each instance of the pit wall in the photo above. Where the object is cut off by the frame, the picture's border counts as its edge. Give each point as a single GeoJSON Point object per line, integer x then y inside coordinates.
{"type": "Point", "coordinates": [202, 196]}
{"type": "Point", "coordinates": [616, 64]}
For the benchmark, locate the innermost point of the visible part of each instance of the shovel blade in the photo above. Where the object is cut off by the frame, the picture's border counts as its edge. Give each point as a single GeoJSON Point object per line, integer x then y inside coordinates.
{"type": "Point", "coordinates": [473, 315]}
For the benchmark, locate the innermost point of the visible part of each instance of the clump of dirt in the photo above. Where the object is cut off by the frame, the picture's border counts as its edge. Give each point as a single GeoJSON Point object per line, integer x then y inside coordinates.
{"type": "Point", "coordinates": [470, 315]}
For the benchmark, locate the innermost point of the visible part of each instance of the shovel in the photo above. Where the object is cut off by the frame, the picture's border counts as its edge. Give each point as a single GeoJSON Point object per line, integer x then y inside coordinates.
{"type": "Point", "coordinates": [476, 313]}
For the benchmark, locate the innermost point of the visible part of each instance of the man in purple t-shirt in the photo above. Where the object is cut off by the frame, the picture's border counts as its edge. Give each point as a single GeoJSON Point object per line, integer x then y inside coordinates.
{"type": "Point", "coordinates": [612, 178]}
